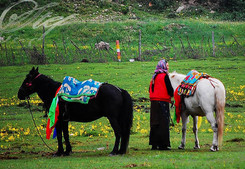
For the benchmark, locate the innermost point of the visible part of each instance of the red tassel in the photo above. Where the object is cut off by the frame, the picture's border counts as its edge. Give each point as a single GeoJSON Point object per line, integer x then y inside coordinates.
{"type": "Point", "coordinates": [48, 130]}
{"type": "Point", "coordinates": [177, 104]}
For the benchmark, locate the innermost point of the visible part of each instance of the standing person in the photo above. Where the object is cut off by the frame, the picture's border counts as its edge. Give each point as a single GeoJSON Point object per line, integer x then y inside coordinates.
{"type": "Point", "coordinates": [161, 92]}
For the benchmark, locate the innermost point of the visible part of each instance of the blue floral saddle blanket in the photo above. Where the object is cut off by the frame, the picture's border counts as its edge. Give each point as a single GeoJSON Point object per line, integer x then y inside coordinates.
{"type": "Point", "coordinates": [73, 90]}
{"type": "Point", "coordinates": [189, 84]}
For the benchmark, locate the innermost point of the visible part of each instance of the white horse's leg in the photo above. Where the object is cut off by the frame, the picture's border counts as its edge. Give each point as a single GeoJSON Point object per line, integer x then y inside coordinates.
{"type": "Point", "coordinates": [184, 118]}
{"type": "Point", "coordinates": [214, 126]}
{"type": "Point", "coordinates": [195, 131]}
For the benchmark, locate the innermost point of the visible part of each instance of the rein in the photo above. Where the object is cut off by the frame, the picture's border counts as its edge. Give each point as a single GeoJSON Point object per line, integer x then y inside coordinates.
{"type": "Point", "coordinates": [29, 106]}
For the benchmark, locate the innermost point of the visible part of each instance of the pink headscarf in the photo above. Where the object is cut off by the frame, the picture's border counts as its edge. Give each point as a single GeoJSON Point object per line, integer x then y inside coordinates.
{"type": "Point", "coordinates": [161, 68]}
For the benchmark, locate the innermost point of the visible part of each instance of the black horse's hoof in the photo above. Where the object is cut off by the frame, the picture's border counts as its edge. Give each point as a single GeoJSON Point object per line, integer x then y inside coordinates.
{"type": "Point", "coordinates": [67, 153]}
{"type": "Point", "coordinates": [121, 152]}
{"type": "Point", "coordinates": [58, 154]}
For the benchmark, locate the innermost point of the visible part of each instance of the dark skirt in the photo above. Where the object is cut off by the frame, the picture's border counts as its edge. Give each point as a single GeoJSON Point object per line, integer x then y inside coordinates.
{"type": "Point", "coordinates": [159, 122]}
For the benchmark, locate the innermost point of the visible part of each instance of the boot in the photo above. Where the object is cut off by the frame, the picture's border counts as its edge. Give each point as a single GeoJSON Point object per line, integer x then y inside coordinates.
{"type": "Point", "coordinates": [164, 148]}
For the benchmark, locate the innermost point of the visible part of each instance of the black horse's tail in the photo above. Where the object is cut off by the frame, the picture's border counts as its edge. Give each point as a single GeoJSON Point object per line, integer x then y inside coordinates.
{"type": "Point", "coordinates": [126, 121]}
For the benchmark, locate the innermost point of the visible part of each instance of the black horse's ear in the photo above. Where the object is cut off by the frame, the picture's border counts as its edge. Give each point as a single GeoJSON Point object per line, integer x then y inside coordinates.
{"type": "Point", "coordinates": [37, 69]}
{"type": "Point", "coordinates": [33, 68]}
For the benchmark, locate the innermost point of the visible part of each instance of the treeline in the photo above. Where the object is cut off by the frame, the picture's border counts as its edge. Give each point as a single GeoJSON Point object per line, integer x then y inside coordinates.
{"type": "Point", "coordinates": [233, 10]}
{"type": "Point", "coordinates": [225, 9]}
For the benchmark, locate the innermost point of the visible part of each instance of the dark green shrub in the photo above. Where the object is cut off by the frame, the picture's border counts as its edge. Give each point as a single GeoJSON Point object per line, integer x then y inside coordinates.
{"type": "Point", "coordinates": [172, 15]}
{"type": "Point", "coordinates": [124, 9]}
{"type": "Point", "coordinates": [5, 3]}
{"type": "Point", "coordinates": [232, 9]}
{"type": "Point", "coordinates": [161, 4]}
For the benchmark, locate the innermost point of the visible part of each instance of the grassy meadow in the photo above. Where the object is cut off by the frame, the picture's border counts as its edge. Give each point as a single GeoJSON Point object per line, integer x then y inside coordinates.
{"type": "Point", "coordinates": [21, 147]}
{"type": "Point", "coordinates": [173, 39]}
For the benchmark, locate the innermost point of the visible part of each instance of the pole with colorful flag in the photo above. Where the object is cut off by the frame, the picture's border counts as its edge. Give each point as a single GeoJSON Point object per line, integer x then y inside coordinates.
{"type": "Point", "coordinates": [118, 51]}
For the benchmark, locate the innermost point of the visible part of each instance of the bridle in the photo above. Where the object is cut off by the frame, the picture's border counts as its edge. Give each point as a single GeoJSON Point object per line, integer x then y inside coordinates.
{"type": "Point", "coordinates": [30, 83]}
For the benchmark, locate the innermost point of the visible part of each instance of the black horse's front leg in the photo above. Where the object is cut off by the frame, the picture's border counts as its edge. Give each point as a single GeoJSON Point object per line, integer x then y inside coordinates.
{"type": "Point", "coordinates": [66, 137]}
{"type": "Point", "coordinates": [59, 138]}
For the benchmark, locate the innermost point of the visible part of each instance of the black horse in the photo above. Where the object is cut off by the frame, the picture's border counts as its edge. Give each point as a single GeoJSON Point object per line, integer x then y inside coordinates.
{"type": "Point", "coordinates": [111, 102]}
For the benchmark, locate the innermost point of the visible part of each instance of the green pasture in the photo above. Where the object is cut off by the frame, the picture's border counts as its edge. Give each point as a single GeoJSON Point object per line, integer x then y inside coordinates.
{"type": "Point", "coordinates": [21, 147]}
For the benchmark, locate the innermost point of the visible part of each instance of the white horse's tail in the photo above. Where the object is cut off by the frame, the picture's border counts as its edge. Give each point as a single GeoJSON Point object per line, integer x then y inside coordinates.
{"type": "Point", "coordinates": [220, 108]}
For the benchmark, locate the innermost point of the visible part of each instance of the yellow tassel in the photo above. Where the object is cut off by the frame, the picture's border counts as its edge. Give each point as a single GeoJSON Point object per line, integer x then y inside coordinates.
{"type": "Point", "coordinates": [199, 121]}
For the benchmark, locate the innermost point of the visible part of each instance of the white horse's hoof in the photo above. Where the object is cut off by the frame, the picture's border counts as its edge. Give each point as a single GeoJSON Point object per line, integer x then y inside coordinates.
{"type": "Point", "coordinates": [196, 147]}
{"type": "Point", "coordinates": [214, 148]}
{"type": "Point", "coordinates": [112, 154]}
{"type": "Point", "coordinates": [181, 147]}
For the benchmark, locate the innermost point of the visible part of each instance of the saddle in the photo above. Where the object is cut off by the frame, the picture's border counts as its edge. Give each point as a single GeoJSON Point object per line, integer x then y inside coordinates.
{"type": "Point", "coordinates": [188, 85]}
{"type": "Point", "coordinates": [73, 90]}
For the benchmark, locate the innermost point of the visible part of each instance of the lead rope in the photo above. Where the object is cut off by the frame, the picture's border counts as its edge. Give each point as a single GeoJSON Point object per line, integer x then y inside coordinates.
{"type": "Point", "coordinates": [29, 106]}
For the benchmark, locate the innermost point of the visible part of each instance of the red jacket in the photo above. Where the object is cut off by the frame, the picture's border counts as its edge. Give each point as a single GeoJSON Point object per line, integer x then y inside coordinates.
{"type": "Point", "coordinates": [160, 92]}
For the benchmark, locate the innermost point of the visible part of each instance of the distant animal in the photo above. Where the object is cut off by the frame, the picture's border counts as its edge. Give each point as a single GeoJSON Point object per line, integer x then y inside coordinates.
{"type": "Point", "coordinates": [208, 97]}
{"type": "Point", "coordinates": [102, 45]}
{"type": "Point", "coordinates": [111, 102]}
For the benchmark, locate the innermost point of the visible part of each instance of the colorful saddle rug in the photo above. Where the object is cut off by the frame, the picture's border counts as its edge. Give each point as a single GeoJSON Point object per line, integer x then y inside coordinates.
{"type": "Point", "coordinates": [73, 90]}
{"type": "Point", "coordinates": [188, 85]}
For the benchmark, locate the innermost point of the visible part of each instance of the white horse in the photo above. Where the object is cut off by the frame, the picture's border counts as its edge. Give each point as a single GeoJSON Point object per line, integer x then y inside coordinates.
{"type": "Point", "coordinates": [208, 97]}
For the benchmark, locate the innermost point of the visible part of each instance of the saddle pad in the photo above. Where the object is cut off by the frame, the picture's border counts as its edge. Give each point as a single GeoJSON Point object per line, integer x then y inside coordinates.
{"type": "Point", "coordinates": [188, 85]}
{"type": "Point", "coordinates": [73, 90]}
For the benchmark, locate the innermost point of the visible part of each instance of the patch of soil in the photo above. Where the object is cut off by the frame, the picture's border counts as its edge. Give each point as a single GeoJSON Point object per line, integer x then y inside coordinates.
{"type": "Point", "coordinates": [141, 99]}
{"type": "Point", "coordinates": [142, 107]}
{"type": "Point", "coordinates": [233, 105]}
{"type": "Point", "coordinates": [236, 140]}
{"type": "Point", "coordinates": [130, 165]}
{"type": "Point", "coordinates": [7, 157]}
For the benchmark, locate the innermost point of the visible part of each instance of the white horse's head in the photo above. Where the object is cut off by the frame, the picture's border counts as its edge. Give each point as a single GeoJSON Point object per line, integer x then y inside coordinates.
{"type": "Point", "coordinates": [176, 79]}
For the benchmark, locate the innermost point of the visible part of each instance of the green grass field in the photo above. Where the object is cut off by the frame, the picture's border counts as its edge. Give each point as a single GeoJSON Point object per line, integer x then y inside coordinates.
{"type": "Point", "coordinates": [159, 37]}
{"type": "Point", "coordinates": [21, 147]}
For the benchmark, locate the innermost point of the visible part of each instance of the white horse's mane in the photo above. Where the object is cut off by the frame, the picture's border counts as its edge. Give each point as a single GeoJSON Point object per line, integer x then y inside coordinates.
{"type": "Point", "coordinates": [176, 78]}
{"type": "Point", "coordinates": [176, 73]}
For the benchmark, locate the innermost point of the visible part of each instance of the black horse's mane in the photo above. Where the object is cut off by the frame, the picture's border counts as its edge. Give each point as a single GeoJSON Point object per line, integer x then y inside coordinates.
{"type": "Point", "coordinates": [49, 80]}
{"type": "Point", "coordinates": [48, 84]}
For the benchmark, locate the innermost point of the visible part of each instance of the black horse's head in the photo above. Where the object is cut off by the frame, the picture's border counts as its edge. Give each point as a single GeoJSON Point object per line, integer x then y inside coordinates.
{"type": "Point", "coordinates": [27, 87]}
